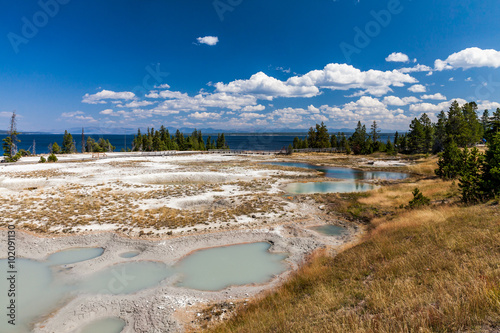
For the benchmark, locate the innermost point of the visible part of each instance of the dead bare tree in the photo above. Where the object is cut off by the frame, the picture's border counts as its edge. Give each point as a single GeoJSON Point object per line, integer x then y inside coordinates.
{"type": "Point", "coordinates": [13, 134]}
{"type": "Point", "coordinates": [83, 142]}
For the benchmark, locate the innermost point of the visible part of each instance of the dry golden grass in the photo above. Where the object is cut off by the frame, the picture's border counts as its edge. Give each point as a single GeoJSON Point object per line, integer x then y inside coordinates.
{"type": "Point", "coordinates": [400, 194]}
{"type": "Point", "coordinates": [427, 270]}
{"type": "Point", "coordinates": [424, 166]}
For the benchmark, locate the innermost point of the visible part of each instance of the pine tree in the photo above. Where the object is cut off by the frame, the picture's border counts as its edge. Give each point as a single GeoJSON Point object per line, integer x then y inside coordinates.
{"type": "Point", "coordinates": [485, 122]}
{"type": "Point", "coordinates": [157, 144]}
{"type": "Point", "coordinates": [440, 132]}
{"type": "Point", "coordinates": [357, 140]}
{"type": "Point", "coordinates": [450, 162]}
{"type": "Point", "coordinates": [347, 148]}
{"type": "Point", "coordinates": [148, 142]}
{"type": "Point", "coordinates": [428, 133]}
{"type": "Point", "coordinates": [416, 137]}
{"type": "Point", "coordinates": [368, 146]}
{"type": "Point", "coordinates": [311, 138]}
{"type": "Point", "coordinates": [470, 182]}
{"type": "Point", "coordinates": [343, 141]}
{"type": "Point", "coordinates": [456, 126]}
{"type": "Point", "coordinates": [322, 136]}
{"type": "Point", "coordinates": [491, 168]}
{"type": "Point", "coordinates": [56, 149]}
{"type": "Point", "coordinates": [210, 145]}
{"type": "Point", "coordinates": [136, 144]}
{"type": "Point", "coordinates": [90, 144]}
{"type": "Point", "coordinates": [474, 127]}
{"type": "Point", "coordinates": [10, 142]}
{"type": "Point", "coordinates": [7, 145]}
{"type": "Point", "coordinates": [179, 139]}
{"type": "Point", "coordinates": [403, 144]}
{"type": "Point", "coordinates": [494, 124]}
{"type": "Point", "coordinates": [418, 200]}
{"type": "Point", "coordinates": [375, 136]}
{"type": "Point", "coordinates": [67, 145]}
{"type": "Point", "coordinates": [333, 141]}
{"type": "Point", "coordinates": [389, 147]}
{"type": "Point", "coordinates": [221, 141]}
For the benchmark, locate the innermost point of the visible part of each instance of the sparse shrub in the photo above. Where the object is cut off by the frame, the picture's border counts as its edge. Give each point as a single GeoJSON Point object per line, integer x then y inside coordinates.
{"type": "Point", "coordinates": [52, 158]}
{"type": "Point", "coordinates": [24, 152]}
{"type": "Point", "coordinates": [42, 159]}
{"type": "Point", "coordinates": [418, 200]}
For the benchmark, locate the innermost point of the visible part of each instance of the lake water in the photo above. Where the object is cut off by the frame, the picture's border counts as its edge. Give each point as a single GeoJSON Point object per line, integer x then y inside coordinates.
{"type": "Point", "coordinates": [346, 173]}
{"type": "Point", "coordinates": [246, 142]}
{"type": "Point", "coordinates": [218, 268]}
{"type": "Point", "coordinates": [350, 177]}
{"type": "Point", "coordinates": [328, 187]}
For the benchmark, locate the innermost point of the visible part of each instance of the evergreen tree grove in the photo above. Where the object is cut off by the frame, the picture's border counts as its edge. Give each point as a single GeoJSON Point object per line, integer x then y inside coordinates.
{"type": "Point", "coordinates": [161, 140]}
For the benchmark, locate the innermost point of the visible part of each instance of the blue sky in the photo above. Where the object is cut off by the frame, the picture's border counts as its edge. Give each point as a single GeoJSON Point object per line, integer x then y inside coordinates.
{"type": "Point", "coordinates": [241, 64]}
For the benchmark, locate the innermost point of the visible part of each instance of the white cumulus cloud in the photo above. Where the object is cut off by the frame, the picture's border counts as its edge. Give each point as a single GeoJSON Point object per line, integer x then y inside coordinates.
{"type": "Point", "coordinates": [469, 58]}
{"type": "Point", "coordinates": [205, 115]}
{"type": "Point", "coordinates": [137, 104]}
{"type": "Point", "coordinates": [417, 88]}
{"type": "Point", "coordinates": [251, 115]}
{"type": "Point", "coordinates": [78, 115]}
{"type": "Point", "coordinates": [416, 68]}
{"type": "Point", "coordinates": [397, 57]}
{"type": "Point", "coordinates": [332, 76]}
{"type": "Point", "coordinates": [393, 100]}
{"type": "Point", "coordinates": [104, 95]}
{"type": "Point", "coordinates": [437, 96]}
{"type": "Point", "coordinates": [434, 108]}
{"type": "Point", "coordinates": [266, 87]}
{"type": "Point", "coordinates": [345, 77]}
{"type": "Point", "coordinates": [250, 108]}
{"type": "Point", "coordinates": [487, 105]}
{"type": "Point", "coordinates": [208, 40]}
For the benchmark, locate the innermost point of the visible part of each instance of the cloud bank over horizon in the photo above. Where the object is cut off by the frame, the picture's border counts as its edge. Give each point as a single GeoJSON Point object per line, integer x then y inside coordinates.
{"type": "Point", "coordinates": [247, 103]}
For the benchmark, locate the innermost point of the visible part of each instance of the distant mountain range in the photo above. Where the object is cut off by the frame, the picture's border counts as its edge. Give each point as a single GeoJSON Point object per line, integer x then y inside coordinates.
{"type": "Point", "coordinates": [2, 132]}
{"type": "Point", "coordinates": [187, 130]}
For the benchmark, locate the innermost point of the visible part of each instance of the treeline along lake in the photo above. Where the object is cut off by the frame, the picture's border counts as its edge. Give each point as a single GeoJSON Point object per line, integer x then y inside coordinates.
{"type": "Point", "coordinates": [256, 141]}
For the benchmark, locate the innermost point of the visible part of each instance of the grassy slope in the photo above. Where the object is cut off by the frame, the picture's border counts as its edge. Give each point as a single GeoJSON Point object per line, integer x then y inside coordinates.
{"type": "Point", "coordinates": [429, 270]}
